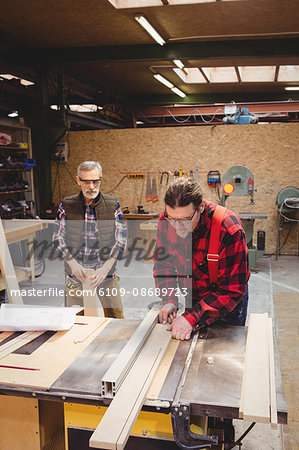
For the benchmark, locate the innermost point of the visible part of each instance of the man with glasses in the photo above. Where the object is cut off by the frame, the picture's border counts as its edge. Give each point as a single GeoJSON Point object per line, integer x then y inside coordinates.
{"type": "Point", "coordinates": [90, 233]}
{"type": "Point", "coordinates": [181, 262]}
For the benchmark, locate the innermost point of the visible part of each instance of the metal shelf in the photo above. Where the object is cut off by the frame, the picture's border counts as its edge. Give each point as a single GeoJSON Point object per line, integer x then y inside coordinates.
{"type": "Point", "coordinates": [4, 147]}
{"type": "Point", "coordinates": [13, 170]}
{"type": "Point", "coordinates": [12, 192]}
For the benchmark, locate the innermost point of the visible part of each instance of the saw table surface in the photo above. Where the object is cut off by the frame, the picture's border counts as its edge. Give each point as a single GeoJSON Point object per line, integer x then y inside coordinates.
{"type": "Point", "coordinates": [210, 389]}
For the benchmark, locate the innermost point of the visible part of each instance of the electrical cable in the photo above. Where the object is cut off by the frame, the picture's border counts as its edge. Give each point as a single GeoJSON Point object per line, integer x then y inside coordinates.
{"type": "Point", "coordinates": [125, 176]}
{"type": "Point", "coordinates": [149, 120]}
{"type": "Point", "coordinates": [59, 185]}
{"type": "Point", "coordinates": [55, 180]}
{"type": "Point", "coordinates": [188, 118]}
{"type": "Point", "coordinates": [287, 237]}
{"type": "Point", "coordinates": [238, 442]}
{"type": "Point", "coordinates": [73, 178]}
{"type": "Point", "coordinates": [37, 265]}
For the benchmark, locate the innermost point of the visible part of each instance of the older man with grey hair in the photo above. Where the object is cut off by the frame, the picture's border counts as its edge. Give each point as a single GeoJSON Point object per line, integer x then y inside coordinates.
{"type": "Point", "coordinates": [90, 233]}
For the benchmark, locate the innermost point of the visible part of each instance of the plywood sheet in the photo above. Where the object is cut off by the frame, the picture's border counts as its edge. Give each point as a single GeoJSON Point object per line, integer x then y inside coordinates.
{"type": "Point", "coordinates": [53, 357]}
{"type": "Point", "coordinates": [19, 423]}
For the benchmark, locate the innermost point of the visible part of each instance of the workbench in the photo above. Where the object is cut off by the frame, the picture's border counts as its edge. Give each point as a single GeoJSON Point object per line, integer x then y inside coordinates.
{"type": "Point", "coordinates": [23, 230]}
{"type": "Point", "coordinates": [59, 384]}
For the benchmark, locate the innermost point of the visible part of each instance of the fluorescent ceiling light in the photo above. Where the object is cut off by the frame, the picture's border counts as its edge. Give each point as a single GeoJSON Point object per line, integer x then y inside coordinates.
{"type": "Point", "coordinates": [13, 114]}
{"type": "Point", "coordinates": [26, 82]}
{"type": "Point", "coordinates": [147, 26]}
{"type": "Point", "coordinates": [80, 108]}
{"type": "Point", "coordinates": [178, 63]}
{"type": "Point", "coordinates": [84, 108]}
{"type": "Point", "coordinates": [178, 92]}
{"type": "Point", "coordinates": [167, 83]}
{"type": "Point", "coordinates": [250, 74]}
{"type": "Point", "coordinates": [288, 73]}
{"type": "Point", "coordinates": [163, 80]}
{"type": "Point", "coordinates": [292, 88]}
{"type": "Point", "coordinates": [23, 81]}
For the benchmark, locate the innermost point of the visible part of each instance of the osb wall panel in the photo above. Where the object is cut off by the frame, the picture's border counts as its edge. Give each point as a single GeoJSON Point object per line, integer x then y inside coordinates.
{"type": "Point", "coordinates": [270, 151]}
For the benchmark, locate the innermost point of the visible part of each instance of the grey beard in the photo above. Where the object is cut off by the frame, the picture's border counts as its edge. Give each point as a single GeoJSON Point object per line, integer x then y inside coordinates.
{"type": "Point", "coordinates": [91, 194]}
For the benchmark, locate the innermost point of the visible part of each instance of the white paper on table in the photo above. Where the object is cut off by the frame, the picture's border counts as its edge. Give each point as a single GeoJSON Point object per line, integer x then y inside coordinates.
{"type": "Point", "coordinates": [36, 318]}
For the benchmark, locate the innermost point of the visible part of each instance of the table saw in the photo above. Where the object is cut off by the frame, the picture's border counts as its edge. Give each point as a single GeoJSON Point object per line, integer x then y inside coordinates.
{"type": "Point", "coordinates": [54, 382]}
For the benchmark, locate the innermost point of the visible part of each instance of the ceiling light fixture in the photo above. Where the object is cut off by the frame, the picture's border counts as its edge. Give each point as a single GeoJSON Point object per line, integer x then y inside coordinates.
{"type": "Point", "coordinates": [168, 84]}
{"type": "Point", "coordinates": [147, 26]}
{"type": "Point", "coordinates": [292, 88]}
{"type": "Point", "coordinates": [13, 114]}
{"type": "Point", "coordinates": [163, 81]}
{"type": "Point", "coordinates": [23, 81]}
{"type": "Point", "coordinates": [178, 63]}
{"type": "Point", "coordinates": [177, 91]}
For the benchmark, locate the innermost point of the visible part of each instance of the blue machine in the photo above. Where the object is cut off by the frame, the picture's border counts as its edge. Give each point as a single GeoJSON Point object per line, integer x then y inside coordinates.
{"type": "Point", "coordinates": [241, 116]}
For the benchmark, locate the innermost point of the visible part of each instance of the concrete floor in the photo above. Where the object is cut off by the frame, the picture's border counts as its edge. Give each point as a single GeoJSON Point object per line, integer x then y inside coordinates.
{"type": "Point", "coordinates": [273, 289]}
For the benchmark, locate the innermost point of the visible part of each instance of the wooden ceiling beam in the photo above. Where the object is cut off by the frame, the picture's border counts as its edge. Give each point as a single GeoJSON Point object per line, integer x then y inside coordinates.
{"type": "Point", "coordinates": [197, 99]}
{"type": "Point", "coordinates": [278, 49]}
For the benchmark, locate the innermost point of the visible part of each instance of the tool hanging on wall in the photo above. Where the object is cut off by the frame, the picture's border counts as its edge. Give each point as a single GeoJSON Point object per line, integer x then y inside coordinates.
{"type": "Point", "coordinates": [213, 178]}
{"type": "Point", "coordinates": [166, 176]}
{"type": "Point", "coordinates": [197, 175]}
{"type": "Point", "coordinates": [141, 192]}
{"type": "Point", "coordinates": [155, 197]}
{"type": "Point", "coordinates": [148, 192]}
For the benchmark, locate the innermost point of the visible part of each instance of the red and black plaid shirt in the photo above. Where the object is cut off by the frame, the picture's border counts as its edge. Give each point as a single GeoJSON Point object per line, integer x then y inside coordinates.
{"type": "Point", "coordinates": [183, 262]}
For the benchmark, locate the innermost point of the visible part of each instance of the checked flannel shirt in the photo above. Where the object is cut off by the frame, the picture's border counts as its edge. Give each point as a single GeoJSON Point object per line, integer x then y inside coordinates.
{"type": "Point", "coordinates": [183, 262]}
{"type": "Point", "coordinates": [89, 254]}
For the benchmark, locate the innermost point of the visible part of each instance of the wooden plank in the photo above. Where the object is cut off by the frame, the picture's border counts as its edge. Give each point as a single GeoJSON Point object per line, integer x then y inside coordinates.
{"type": "Point", "coordinates": [8, 271]}
{"type": "Point", "coordinates": [85, 336]}
{"type": "Point", "coordinates": [91, 300]}
{"type": "Point", "coordinates": [161, 374]}
{"type": "Point", "coordinates": [52, 358]}
{"type": "Point", "coordinates": [22, 229]}
{"type": "Point", "coordinates": [114, 429]}
{"type": "Point", "coordinates": [273, 402]}
{"type": "Point", "coordinates": [22, 273]}
{"type": "Point", "coordinates": [118, 370]}
{"type": "Point", "coordinates": [18, 342]}
{"type": "Point", "coordinates": [125, 433]}
{"type": "Point", "coordinates": [19, 423]}
{"type": "Point", "coordinates": [4, 335]}
{"type": "Point", "coordinates": [254, 405]}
